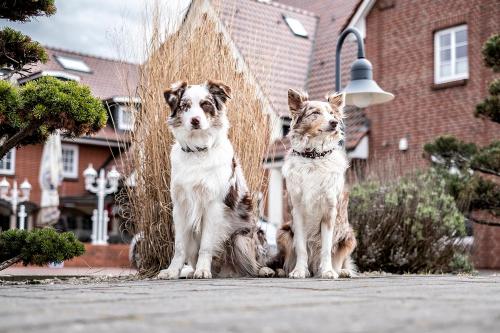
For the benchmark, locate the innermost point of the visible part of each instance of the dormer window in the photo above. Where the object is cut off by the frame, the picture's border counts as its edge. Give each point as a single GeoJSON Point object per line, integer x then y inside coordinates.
{"type": "Point", "coordinates": [295, 26]}
{"type": "Point", "coordinates": [126, 117]}
{"type": "Point", "coordinates": [73, 64]}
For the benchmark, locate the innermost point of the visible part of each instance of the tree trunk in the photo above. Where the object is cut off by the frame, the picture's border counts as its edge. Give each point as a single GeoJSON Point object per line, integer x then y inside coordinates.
{"type": "Point", "coordinates": [10, 262]}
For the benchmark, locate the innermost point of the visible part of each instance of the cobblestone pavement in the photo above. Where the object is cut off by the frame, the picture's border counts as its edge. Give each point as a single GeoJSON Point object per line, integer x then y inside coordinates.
{"type": "Point", "coordinates": [368, 304]}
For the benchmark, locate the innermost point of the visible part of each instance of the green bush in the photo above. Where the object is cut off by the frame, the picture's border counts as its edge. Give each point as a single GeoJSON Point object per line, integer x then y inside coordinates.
{"type": "Point", "coordinates": [406, 226]}
{"type": "Point", "coordinates": [491, 52]}
{"type": "Point", "coordinates": [39, 247]}
{"type": "Point", "coordinates": [29, 114]}
{"type": "Point", "coordinates": [19, 50]}
{"type": "Point", "coordinates": [23, 10]}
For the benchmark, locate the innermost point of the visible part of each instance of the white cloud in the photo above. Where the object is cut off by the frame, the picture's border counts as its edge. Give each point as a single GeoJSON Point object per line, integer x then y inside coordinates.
{"type": "Point", "coordinates": [108, 28]}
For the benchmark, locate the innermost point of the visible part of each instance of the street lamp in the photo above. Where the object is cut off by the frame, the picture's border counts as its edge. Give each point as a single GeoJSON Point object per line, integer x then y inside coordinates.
{"type": "Point", "coordinates": [15, 198]}
{"type": "Point", "coordinates": [100, 187]}
{"type": "Point", "coordinates": [362, 91]}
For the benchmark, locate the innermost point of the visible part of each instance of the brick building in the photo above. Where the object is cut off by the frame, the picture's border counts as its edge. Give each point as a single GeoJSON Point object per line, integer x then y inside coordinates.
{"type": "Point", "coordinates": [426, 52]}
{"type": "Point", "coordinates": [111, 81]}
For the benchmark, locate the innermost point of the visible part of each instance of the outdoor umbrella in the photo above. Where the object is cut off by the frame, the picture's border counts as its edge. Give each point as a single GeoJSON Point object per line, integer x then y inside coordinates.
{"type": "Point", "coordinates": [51, 168]}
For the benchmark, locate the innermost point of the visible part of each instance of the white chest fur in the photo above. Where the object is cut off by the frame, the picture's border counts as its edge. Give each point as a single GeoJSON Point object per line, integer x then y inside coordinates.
{"type": "Point", "coordinates": [201, 176]}
{"type": "Point", "coordinates": [313, 183]}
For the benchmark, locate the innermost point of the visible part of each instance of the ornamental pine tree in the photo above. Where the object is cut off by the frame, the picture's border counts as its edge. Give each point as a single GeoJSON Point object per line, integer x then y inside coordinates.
{"type": "Point", "coordinates": [29, 114]}
{"type": "Point", "coordinates": [472, 174]}
{"type": "Point", "coordinates": [37, 247]}
{"type": "Point", "coordinates": [490, 107]}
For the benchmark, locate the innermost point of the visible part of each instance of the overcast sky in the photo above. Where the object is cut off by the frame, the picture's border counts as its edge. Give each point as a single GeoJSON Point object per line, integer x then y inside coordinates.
{"type": "Point", "coordinates": [109, 28]}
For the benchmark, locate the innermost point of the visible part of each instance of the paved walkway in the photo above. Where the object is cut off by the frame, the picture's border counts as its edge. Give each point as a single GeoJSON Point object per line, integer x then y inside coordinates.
{"type": "Point", "coordinates": [17, 272]}
{"type": "Point", "coordinates": [370, 304]}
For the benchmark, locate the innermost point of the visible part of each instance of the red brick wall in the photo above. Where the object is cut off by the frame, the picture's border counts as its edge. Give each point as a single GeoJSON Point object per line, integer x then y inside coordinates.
{"type": "Point", "coordinates": [112, 255]}
{"type": "Point", "coordinates": [399, 44]}
{"type": "Point", "coordinates": [486, 250]}
{"type": "Point", "coordinates": [28, 166]}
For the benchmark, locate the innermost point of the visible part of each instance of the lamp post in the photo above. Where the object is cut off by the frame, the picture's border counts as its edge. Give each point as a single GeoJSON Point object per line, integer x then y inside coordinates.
{"type": "Point", "coordinates": [362, 90]}
{"type": "Point", "coordinates": [16, 196]}
{"type": "Point", "coordinates": [101, 188]}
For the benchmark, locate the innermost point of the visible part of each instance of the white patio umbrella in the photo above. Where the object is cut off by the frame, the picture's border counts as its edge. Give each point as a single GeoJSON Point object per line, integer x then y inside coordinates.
{"type": "Point", "coordinates": [51, 168]}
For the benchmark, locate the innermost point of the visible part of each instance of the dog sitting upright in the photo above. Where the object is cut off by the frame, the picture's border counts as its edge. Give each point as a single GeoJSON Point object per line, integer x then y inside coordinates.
{"type": "Point", "coordinates": [316, 240]}
{"type": "Point", "coordinates": [215, 229]}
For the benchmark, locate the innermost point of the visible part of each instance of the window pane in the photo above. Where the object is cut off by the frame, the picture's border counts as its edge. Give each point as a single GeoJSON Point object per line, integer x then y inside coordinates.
{"type": "Point", "coordinates": [6, 161]}
{"type": "Point", "coordinates": [461, 67]}
{"type": "Point", "coordinates": [445, 40]}
{"type": "Point", "coordinates": [445, 69]}
{"type": "Point", "coordinates": [67, 157]}
{"type": "Point", "coordinates": [445, 55]}
{"type": "Point", "coordinates": [462, 51]}
{"type": "Point", "coordinates": [461, 36]}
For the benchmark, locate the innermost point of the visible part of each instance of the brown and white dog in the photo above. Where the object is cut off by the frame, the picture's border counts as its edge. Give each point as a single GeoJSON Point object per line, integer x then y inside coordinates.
{"type": "Point", "coordinates": [318, 240]}
{"type": "Point", "coordinates": [215, 229]}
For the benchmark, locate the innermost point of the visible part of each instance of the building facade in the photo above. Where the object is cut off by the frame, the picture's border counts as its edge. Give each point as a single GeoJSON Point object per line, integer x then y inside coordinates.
{"type": "Point", "coordinates": [111, 81]}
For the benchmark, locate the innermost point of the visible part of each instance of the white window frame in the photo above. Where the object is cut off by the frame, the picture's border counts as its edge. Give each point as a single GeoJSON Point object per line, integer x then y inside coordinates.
{"type": "Point", "coordinates": [12, 169]}
{"type": "Point", "coordinates": [121, 124]}
{"type": "Point", "coordinates": [74, 173]}
{"type": "Point", "coordinates": [437, 51]}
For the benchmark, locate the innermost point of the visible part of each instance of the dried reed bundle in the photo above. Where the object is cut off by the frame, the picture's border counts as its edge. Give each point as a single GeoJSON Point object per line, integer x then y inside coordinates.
{"type": "Point", "coordinates": [196, 52]}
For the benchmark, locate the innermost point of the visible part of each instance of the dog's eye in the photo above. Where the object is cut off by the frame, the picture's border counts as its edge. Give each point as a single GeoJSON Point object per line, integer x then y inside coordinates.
{"type": "Point", "coordinates": [315, 113]}
{"type": "Point", "coordinates": [207, 107]}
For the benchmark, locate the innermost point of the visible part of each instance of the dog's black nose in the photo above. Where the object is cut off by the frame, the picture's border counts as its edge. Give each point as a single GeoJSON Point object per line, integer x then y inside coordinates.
{"type": "Point", "coordinates": [195, 121]}
{"type": "Point", "coordinates": [333, 124]}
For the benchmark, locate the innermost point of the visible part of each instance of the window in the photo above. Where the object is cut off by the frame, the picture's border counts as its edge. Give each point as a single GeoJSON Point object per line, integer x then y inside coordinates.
{"type": "Point", "coordinates": [73, 64]}
{"type": "Point", "coordinates": [125, 117]}
{"type": "Point", "coordinates": [296, 26]}
{"type": "Point", "coordinates": [450, 55]}
{"type": "Point", "coordinates": [8, 163]}
{"type": "Point", "coordinates": [70, 161]}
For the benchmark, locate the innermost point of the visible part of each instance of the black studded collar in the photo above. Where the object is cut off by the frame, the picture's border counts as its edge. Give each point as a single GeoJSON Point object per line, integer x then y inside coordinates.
{"type": "Point", "coordinates": [312, 153]}
{"type": "Point", "coordinates": [195, 150]}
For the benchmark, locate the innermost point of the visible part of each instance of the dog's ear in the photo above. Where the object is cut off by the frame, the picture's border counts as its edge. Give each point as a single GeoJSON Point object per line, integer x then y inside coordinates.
{"type": "Point", "coordinates": [337, 101]}
{"type": "Point", "coordinates": [296, 100]}
{"type": "Point", "coordinates": [174, 94]}
{"type": "Point", "coordinates": [220, 91]}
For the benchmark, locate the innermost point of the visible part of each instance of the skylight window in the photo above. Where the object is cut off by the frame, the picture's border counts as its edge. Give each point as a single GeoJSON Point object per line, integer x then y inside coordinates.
{"type": "Point", "coordinates": [296, 26]}
{"type": "Point", "coordinates": [73, 64]}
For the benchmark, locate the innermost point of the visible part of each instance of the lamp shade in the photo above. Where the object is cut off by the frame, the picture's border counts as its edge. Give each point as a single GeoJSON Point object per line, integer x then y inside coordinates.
{"type": "Point", "coordinates": [26, 189]}
{"type": "Point", "coordinates": [362, 90]}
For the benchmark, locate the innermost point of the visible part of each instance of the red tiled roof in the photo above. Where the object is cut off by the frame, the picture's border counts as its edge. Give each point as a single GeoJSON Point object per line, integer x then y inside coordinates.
{"type": "Point", "coordinates": [333, 14]}
{"type": "Point", "coordinates": [276, 56]}
{"type": "Point", "coordinates": [108, 78]}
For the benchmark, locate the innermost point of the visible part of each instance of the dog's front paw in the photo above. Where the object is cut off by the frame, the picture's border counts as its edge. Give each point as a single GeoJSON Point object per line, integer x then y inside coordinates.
{"type": "Point", "coordinates": [168, 274]}
{"type": "Point", "coordinates": [299, 273]}
{"type": "Point", "coordinates": [266, 272]}
{"type": "Point", "coordinates": [329, 274]}
{"type": "Point", "coordinates": [202, 274]}
{"type": "Point", "coordinates": [280, 273]}
{"type": "Point", "coordinates": [346, 273]}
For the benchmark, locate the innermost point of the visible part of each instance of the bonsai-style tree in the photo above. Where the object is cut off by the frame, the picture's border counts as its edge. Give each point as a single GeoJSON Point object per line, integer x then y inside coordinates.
{"type": "Point", "coordinates": [29, 114]}
{"type": "Point", "coordinates": [17, 49]}
{"type": "Point", "coordinates": [37, 247]}
{"type": "Point", "coordinates": [490, 107]}
{"type": "Point", "coordinates": [472, 173]}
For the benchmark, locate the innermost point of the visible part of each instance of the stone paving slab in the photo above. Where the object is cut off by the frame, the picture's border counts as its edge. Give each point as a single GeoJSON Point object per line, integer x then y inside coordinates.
{"type": "Point", "coordinates": [367, 304]}
{"type": "Point", "coordinates": [38, 272]}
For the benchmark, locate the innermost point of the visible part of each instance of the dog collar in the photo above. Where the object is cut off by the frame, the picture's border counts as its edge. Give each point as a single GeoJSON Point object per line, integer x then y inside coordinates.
{"type": "Point", "coordinates": [196, 149]}
{"type": "Point", "coordinates": [312, 153]}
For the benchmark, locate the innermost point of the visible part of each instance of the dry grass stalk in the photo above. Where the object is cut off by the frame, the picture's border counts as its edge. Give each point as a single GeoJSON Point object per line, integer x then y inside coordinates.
{"type": "Point", "coordinates": [195, 53]}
